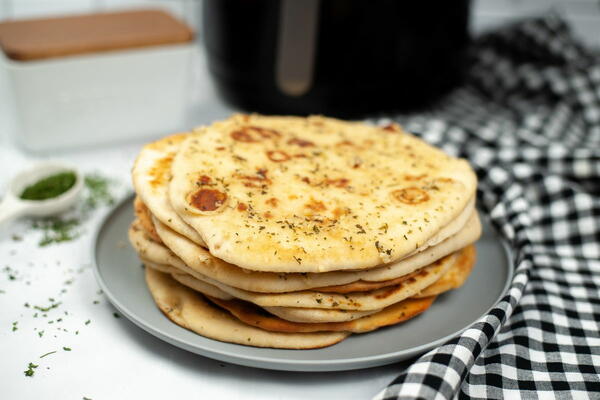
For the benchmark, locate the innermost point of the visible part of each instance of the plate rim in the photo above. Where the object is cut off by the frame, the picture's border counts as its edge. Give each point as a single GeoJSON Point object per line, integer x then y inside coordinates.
{"type": "Point", "coordinates": [279, 364]}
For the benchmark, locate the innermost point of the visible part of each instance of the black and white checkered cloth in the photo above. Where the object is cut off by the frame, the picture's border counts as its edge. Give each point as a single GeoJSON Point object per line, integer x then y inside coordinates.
{"type": "Point", "coordinates": [528, 119]}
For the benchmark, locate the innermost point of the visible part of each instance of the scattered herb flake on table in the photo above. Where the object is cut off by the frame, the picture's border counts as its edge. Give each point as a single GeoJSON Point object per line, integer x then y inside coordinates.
{"type": "Point", "coordinates": [10, 273]}
{"type": "Point", "coordinates": [47, 354]}
{"type": "Point", "coordinates": [57, 230]}
{"type": "Point", "coordinates": [98, 192]}
{"type": "Point", "coordinates": [30, 369]}
{"type": "Point", "coordinates": [48, 308]}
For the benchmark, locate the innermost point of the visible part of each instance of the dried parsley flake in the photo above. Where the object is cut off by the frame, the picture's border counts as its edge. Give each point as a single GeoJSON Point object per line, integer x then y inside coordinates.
{"type": "Point", "coordinates": [30, 369]}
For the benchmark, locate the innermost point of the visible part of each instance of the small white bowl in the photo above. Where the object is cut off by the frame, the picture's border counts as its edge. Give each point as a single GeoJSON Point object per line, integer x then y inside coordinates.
{"type": "Point", "coordinates": [13, 206]}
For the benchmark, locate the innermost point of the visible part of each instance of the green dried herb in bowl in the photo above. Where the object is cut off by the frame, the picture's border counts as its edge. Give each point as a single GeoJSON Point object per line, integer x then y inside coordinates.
{"type": "Point", "coordinates": [50, 187]}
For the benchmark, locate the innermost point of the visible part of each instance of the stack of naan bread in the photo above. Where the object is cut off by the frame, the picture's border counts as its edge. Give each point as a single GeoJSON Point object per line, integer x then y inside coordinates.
{"type": "Point", "coordinates": [292, 232]}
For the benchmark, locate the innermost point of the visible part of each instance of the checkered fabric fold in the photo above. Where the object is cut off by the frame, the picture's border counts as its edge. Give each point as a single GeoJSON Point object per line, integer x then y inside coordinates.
{"type": "Point", "coordinates": [528, 119]}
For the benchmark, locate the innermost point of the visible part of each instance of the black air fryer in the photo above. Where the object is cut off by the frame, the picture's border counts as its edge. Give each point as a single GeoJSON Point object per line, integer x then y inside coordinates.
{"type": "Point", "coordinates": [334, 57]}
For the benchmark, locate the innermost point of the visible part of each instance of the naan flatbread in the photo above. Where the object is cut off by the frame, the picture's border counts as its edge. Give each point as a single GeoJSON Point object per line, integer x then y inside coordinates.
{"type": "Point", "coordinates": [151, 175]}
{"type": "Point", "coordinates": [201, 261]}
{"type": "Point", "coordinates": [149, 249]}
{"type": "Point", "coordinates": [190, 310]}
{"type": "Point", "coordinates": [392, 315]}
{"type": "Point", "coordinates": [315, 315]}
{"type": "Point", "coordinates": [293, 314]}
{"type": "Point", "coordinates": [196, 284]}
{"type": "Point", "coordinates": [456, 276]}
{"type": "Point", "coordinates": [144, 219]}
{"type": "Point", "coordinates": [291, 194]}
{"type": "Point", "coordinates": [452, 279]}
{"type": "Point", "coordinates": [359, 301]}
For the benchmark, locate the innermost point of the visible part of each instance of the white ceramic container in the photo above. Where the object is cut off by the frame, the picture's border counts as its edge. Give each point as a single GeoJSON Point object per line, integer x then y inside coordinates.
{"type": "Point", "coordinates": [89, 99]}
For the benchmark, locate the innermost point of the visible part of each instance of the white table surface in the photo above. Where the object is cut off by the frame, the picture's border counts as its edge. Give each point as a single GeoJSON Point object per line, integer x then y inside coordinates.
{"type": "Point", "coordinates": [110, 357]}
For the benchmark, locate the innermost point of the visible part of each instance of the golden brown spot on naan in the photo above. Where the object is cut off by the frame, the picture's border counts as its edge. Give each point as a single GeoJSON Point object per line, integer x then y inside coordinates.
{"type": "Point", "coordinates": [204, 180]}
{"type": "Point", "coordinates": [338, 212]}
{"type": "Point", "coordinates": [272, 202]}
{"type": "Point", "coordinates": [260, 180]}
{"type": "Point", "coordinates": [253, 134]}
{"type": "Point", "coordinates": [445, 180]}
{"type": "Point", "coordinates": [161, 171]}
{"type": "Point", "coordinates": [388, 292]}
{"type": "Point", "coordinates": [414, 177]}
{"type": "Point", "coordinates": [243, 136]}
{"type": "Point", "coordinates": [411, 195]}
{"type": "Point", "coordinates": [392, 128]}
{"type": "Point", "coordinates": [315, 205]}
{"type": "Point", "coordinates": [301, 142]}
{"type": "Point", "coordinates": [207, 199]}
{"type": "Point", "coordinates": [242, 206]}
{"type": "Point", "coordinates": [265, 132]}
{"type": "Point", "coordinates": [278, 155]}
{"type": "Point", "coordinates": [340, 182]}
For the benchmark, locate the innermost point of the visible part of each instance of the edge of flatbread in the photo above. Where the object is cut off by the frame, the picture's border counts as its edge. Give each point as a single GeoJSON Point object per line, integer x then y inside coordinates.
{"type": "Point", "coordinates": [201, 261]}
{"type": "Point", "coordinates": [392, 315]}
{"type": "Point", "coordinates": [189, 310]}
{"type": "Point", "coordinates": [151, 174]}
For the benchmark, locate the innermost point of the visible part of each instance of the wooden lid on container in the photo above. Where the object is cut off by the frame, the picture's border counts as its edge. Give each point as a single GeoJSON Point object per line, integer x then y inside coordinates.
{"type": "Point", "coordinates": [36, 39]}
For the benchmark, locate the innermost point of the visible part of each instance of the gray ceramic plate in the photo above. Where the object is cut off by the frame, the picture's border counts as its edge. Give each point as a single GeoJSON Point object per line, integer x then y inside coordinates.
{"type": "Point", "coordinates": [121, 276]}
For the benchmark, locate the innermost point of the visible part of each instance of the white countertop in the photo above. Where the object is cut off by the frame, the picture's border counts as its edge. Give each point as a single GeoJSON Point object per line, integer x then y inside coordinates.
{"type": "Point", "coordinates": [110, 357]}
